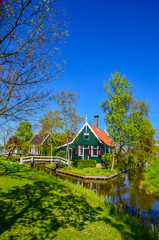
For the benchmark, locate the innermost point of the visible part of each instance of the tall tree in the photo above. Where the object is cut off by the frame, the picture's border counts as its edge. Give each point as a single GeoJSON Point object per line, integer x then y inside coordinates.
{"type": "Point", "coordinates": [51, 123]}
{"type": "Point", "coordinates": [115, 107]}
{"type": "Point", "coordinates": [70, 119]}
{"type": "Point", "coordinates": [30, 36]}
{"type": "Point", "coordinates": [24, 131]}
{"type": "Point", "coordinates": [124, 116]}
{"type": "Point", "coordinates": [145, 147]}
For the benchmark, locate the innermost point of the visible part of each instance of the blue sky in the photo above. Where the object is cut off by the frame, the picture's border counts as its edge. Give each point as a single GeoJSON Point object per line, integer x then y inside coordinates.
{"type": "Point", "coordinates": [110, 35]}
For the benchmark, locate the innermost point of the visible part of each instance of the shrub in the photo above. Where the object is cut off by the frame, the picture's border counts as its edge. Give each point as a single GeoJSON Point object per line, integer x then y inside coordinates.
{"type": "Point", "coordinates": [61, 153]}
{"type": "Point", "coordinates": [15, 158]}
{"type": "Point", "coordinates": [107, 158]}
{"type": "Point", "coordinates": [132, 161]}
{"type": "Point", "coordinates": [84, 163]}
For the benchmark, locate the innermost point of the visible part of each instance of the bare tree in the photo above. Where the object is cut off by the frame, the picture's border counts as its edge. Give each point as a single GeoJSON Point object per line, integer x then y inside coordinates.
{"type": "Point", "coordinates": [70, 118]}
{"type": "Point", "coordinates": [30, 36]}
{"type": "Point", "coordinates": [5, 134]}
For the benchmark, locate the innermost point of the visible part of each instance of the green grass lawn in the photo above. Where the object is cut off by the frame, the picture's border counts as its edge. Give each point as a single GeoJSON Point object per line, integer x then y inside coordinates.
{"type": "Point", "coordinates": [91, 171]}
{"type": "Point", "coordinates": [34, 205]}
{"type": "Point", "coordinates": [151, 178]}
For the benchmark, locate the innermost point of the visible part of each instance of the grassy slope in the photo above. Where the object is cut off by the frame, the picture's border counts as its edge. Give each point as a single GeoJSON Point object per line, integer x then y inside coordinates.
{"type": "Point", "coordinates": [151, 181]}
{"type": "Point", "coordinates": [90, 171]}
{"type": "Point", "coordinates": [34, 205]}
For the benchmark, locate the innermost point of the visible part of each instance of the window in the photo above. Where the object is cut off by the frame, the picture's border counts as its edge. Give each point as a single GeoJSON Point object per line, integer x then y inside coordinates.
{"type": "Point", "coordinates": [94, 151]}
{"type": "Point", "coordinates": [86, 136]}
{"type": "Point", "coordinates": [80, 150]}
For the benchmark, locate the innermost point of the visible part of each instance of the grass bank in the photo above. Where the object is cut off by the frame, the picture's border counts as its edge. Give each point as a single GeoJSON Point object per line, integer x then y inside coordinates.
{"type": "Point", "coordinates": [34, 205]}
{"type": "Point", "coordinates": [151, 179]}
{"type": "Point", "coordinates": [89, 170]}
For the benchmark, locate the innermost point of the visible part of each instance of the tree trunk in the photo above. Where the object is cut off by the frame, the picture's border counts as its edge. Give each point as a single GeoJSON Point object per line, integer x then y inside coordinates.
{"type": "Point", "coordinates": [113, 161]}
{"type": "Point", "coordinates": [10, 153]}
{"type": "Point", "coordinates": [68, 153]}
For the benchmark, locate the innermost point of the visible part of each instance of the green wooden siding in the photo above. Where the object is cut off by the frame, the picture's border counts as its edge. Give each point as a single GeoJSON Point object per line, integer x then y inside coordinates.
{"type": "Point", "coordinates": [92, 141]}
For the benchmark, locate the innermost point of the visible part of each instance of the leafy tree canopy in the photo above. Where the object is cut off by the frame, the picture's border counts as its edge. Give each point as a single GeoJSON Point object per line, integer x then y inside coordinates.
{"type": "Point", "coordinates": [51, 122]}
{"type": "Point", "coordinates": [24, 131]}
{"type": "Point", "coordinates": [126, 118]}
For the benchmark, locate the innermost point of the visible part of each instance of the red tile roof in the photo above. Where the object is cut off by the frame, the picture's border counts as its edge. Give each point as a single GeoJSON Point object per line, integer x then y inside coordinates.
{"type": "Point", "coordinates": [102, 135]}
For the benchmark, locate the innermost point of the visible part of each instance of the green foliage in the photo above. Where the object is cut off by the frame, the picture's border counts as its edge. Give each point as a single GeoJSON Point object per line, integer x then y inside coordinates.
{"type": "Point", "coordinates": [61, 153]}
{"type": "Point", "coordinates": [151, 178]}
{"type": "Point", "coordinates": [107, 158]}
{"type": "Point", "coordinates": [25, 146]}
{"type": "Point", "coordinates": [84, 163]}
{"type": "Point", "coordinates": [58, 139]}
{"type": "Point", "coordinates": [132, 161]}
{"type": "Point", "coordinates": [119, 96]}
{"type": "Point", "coordinates": [46, 149]}
{"type": "Point", "coordinates": [15, 158]}
{"type": "Point", "coordinates": [122, 160]}
{"type": "Point", "coordinates": [24, 131]}
{"type": "Point", "coordinates": [51, 122]}
{"type": "Point", "coordinates": [126, 118]}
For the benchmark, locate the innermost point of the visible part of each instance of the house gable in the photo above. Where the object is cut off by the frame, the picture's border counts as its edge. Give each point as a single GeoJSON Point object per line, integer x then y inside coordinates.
{"type": "Point", "coordinates": [86, 137]}
{"type": "Point", "coordinates": [89, 143]}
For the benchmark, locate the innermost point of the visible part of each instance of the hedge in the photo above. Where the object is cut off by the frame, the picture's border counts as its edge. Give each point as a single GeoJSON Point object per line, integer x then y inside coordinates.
{"type": "Point", "coordinates": [84, 163]}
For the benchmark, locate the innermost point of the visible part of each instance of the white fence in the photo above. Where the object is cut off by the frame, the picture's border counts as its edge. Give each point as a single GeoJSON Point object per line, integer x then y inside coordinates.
{"type": "Point", "coordinates": [43, 159]}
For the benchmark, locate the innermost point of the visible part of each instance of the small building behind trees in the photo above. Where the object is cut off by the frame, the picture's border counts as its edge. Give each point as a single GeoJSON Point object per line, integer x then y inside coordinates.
{"type": "Point", "coordinates": [90, 143]}
{"type": "Point", "coordinates": [37, 143]}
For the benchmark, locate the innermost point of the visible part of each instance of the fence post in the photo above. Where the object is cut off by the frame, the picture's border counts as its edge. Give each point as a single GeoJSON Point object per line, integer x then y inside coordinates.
{"type": "Point", "coordinates": [21, 160]}
{"type": "Point", "coordinates": [32, 162]}
{"type": "Point", "coordinates": [59, 163]}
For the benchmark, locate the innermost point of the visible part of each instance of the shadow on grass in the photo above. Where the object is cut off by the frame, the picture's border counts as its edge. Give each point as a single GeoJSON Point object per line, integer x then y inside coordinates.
{"type": "Point", "coordinates": [45, 207]}
{"type": "Point", "coordinates": [8, 168]}
{"type": "Point", "coordinates": [39, 210]}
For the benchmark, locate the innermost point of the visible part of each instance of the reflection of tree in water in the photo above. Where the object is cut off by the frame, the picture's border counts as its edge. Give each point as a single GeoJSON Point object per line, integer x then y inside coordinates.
{"type": "Point", "coordinates": [125, 192]}
{"type": "Point", "coordinates": [137, 197]}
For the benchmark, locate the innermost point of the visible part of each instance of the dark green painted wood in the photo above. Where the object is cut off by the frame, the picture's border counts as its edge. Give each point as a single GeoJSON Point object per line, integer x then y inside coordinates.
{"type": "Point", "coordinates": [92, 141]}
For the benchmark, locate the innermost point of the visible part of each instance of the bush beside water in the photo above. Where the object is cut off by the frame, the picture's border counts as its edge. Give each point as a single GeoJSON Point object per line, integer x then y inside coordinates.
{"type": "Point", "coordinates": [84, 163]}
{"type": "Point", "coordinates": [151, 179]}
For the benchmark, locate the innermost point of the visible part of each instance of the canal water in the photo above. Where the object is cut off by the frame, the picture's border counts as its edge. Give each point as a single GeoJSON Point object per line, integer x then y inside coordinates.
{"type": "Point", "coordinates": [124, 191]}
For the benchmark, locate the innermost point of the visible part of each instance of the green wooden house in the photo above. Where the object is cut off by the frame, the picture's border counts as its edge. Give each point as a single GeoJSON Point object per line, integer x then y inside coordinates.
{"type": "Point", "coordinates": [89, 143]}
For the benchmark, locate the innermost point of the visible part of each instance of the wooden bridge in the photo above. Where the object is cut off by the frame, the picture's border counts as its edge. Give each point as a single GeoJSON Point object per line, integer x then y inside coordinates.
{"type": "Point", "coordinates": [43, 159]}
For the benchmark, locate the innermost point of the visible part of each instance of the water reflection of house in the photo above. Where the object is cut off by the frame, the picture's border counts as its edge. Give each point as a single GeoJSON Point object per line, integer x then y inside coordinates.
{"type": "Point", "coordinates": [37, 142]}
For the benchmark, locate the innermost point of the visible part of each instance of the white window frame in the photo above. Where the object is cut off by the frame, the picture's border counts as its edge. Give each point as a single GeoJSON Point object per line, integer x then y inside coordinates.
{"type": "Point", "coordinates": [86, 134]}
{"type": "Point", "coordinates": [83, 147]}
{"type": "Point", "coordinates": [92, 147]}
{"type": "Point", "coordinates": [79, 150]}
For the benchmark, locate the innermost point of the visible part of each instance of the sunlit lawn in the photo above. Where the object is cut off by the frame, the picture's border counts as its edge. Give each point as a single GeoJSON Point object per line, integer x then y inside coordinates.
{"type": "Point", "coordinates": [91, 171]}
{"type": "Point", "coordinates": [34, 205]}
